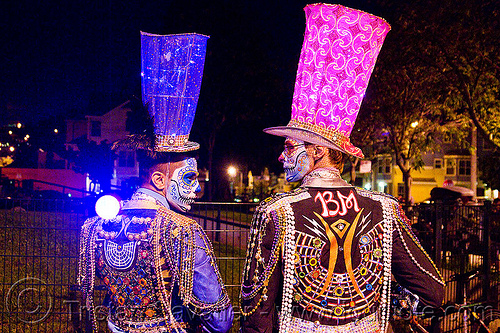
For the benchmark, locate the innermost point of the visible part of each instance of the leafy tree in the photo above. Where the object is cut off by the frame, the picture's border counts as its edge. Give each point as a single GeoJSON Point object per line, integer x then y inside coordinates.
{"type": "Point", "coordinates": [437, 73]}
{"type": "Point", "coordinates": [490, 169]}
{"type": "Point", "coordinates": [406, 102]}
{"type": "Point", "coordinates": [459, 42]}
{"type": "Point", "coordinates": [5, 161]}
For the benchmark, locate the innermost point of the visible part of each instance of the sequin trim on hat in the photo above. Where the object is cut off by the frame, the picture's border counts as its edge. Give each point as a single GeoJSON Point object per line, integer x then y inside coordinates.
{"type": "Point", "coordinates": [330, 134]}
{"type": "Point", "coordinates": [174, 143]}
{"type": "Point", "coordinates": [171, 140]}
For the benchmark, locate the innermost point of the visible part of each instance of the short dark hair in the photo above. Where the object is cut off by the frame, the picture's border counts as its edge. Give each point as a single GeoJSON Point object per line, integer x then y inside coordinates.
{"type": "Point", "coordinates": [337, 158]}
{"type": "Point", "coordinates": [151, 161]}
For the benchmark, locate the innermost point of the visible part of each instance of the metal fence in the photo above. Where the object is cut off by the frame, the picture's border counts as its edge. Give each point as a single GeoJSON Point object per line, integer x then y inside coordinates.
{"type": "Point", "coordinates": [461, 239]}
{"type": "Point", "coordinates": [38, 265]}
{"type": "Point", "coordinates": [39, 258]}
{"type": "Point", "coordinates": [39, 253]}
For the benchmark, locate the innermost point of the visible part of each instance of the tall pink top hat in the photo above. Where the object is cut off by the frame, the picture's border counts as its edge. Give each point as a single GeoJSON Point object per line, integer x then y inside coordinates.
{"type": "Point", "coordinates": [338, 55]}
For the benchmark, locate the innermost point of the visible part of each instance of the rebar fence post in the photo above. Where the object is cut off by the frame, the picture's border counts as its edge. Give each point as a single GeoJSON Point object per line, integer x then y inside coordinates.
{"type": "Point", "coordinates": [438, 235]}
{"type": "Point", "coordinates": [217, 225]}
{"type": "Point", "coordinates": [487, 248]}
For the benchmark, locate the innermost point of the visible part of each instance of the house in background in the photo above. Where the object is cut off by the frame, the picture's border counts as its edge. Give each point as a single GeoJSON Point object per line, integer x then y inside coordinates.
{"type": "Point", "coordinates": [108, 127]}
{"type": "Point", "coordinates": [450, 164]}
{"type": "Point", "coordinates": [38, 171]}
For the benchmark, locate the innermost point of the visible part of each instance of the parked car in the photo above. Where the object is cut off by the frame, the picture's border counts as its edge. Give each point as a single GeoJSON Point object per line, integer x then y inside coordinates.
{"type": "Point", "coordinates": [452, 193]}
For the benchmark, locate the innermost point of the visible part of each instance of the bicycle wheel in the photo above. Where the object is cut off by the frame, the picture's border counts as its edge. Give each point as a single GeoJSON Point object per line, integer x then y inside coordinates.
{"type": "Point", "coordinates": [491, 319]}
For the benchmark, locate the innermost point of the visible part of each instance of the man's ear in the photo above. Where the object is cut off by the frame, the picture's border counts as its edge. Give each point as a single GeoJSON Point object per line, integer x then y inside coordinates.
{"type": "Point", "coordinates": [158, 180]}
{"type": "Point", "coordinates": [319, 152]}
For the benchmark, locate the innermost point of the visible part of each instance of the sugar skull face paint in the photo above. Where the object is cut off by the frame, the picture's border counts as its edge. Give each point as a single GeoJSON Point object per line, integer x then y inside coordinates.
{"type": "Point", "coordinates": [183, 186]}
{"type": "Point", "coordinates": [295, 160]}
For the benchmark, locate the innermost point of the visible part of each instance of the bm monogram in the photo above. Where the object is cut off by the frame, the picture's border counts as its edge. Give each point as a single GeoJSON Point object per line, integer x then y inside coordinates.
{"type": "Point", "coordinates": [339, 202]}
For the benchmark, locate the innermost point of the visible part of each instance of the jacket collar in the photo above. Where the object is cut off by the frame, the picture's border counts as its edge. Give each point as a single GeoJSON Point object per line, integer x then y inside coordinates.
{"type": "Point", "coordinates": [160, 199]}
{"type": "Point", "coordinates": [324, 177]}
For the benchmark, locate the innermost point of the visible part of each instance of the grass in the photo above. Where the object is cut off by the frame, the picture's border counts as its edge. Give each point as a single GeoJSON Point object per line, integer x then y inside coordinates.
{"type": "Point", "coordinates": [38, 266]}
{"type": "Point", "coordinates": [38, 260]}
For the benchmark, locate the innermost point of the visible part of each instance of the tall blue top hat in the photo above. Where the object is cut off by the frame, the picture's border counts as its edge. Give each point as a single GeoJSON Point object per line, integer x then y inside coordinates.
{"type": "Point", "coordinates": [172, 70]}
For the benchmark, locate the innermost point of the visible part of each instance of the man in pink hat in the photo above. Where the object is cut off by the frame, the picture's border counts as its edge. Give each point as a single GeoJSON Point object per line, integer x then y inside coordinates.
{"type": "Point", "coordinates": [320, 258]}
{"type": "Point", "coordinates": [157, 265]}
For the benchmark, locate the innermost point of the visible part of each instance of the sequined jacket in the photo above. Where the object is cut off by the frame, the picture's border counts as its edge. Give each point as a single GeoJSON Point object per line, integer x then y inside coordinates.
{"type": "Point", "coordinates": [324, 254]}
{"type": "Point", "coordinates": [158, 268]}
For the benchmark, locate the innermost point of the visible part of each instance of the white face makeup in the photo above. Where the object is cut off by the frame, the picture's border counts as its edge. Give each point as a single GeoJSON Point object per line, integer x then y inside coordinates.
{"type": "Point", "coordinates": [295, 160]}
{"type": "Point", "coordinates": [183, 186]}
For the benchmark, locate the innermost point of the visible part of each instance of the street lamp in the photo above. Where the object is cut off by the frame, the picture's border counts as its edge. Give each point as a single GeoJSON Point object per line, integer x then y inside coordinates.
{"type": "Point", "coordinates": [232, 171]}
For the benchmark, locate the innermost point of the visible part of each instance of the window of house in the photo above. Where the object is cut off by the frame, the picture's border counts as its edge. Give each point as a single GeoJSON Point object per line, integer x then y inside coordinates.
{"type": "Point", "coordinates": [438, 163]}
{"type": "Point", "coordinates": [401, 190]}
{"type": "Point", "coordinates": [464, 167]}
{"type": "Point", "coordinates": [95, 128]}
{"type": "Point", "coordinates": [384, 165]}
{"type": "Point", "coordinates": [387, 165]}
{"type": "Point", "coordinates": [450, 166]}
{"type": "Point", "coordinates": [126, 159]}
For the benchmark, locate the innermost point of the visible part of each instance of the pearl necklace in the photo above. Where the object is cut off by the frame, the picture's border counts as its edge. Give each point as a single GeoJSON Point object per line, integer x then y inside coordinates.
{"type": "Point", "coordinates": [387, 253]}
{"type": "Point", "coordinates": [289, 253]}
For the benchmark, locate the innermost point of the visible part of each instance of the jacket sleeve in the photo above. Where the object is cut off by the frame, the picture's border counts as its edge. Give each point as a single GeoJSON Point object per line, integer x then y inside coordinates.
{"type": "Point", "coordinates": [189, 254]}
{"type": "Point", "coordinates": [216, 311]}
{"type": "Point", "coordinates": [261, 291]}
{"type": "Point", "coordinates": [411, 265]}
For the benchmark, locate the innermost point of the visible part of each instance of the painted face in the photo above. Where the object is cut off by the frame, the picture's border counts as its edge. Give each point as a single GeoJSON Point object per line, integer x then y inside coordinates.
{"type": "Point", "coordinates": [295, 160]}
{"type": "Point", "coordinates": [183, 186]}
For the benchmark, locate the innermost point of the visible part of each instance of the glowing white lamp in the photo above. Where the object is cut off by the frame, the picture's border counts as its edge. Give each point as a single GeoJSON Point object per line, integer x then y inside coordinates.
{"type": "Point", "coordinates": [231, 171]}
{"type": "Point", "coordinates": [107, 207]}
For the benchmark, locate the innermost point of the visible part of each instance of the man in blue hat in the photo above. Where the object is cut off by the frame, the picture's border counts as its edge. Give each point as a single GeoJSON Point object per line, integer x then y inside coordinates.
{"type": "Point", "coordinates": [158, 266]}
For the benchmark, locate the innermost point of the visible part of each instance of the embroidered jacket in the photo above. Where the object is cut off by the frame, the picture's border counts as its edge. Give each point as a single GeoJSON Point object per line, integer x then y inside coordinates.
{"type": "Point", "coordinates": [158, 268]}
{"type": "Point", "coordinates": [322, 257]}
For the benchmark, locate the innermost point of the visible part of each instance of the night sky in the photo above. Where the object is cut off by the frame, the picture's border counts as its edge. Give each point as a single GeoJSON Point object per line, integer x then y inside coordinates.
{"type": "Point", "coordinates": [79, 57]}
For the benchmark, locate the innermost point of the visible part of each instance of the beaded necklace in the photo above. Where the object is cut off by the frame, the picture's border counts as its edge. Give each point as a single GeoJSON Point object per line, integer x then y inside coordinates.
{"type": "Point", "coordinates": [174, 249]}
{"type": "Point", "coordinates": [176, 236]}
{"type": "Point", "coordinates": [388, 213]}
{"type": "Point", "coordinates": [86, 266]}
{"type": "Point", "coordinates": [322, 174]}
{"type": "Point", "coordinates": [289, 255]}
{"type": "Point", "coordinates": [276, 210]}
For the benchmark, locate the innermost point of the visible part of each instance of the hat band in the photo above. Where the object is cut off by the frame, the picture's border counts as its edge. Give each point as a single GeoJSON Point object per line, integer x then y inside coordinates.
{"type": "Point", "coordinates": [171, 140]}
{"type": "Point", "coordinates": [330, 134]}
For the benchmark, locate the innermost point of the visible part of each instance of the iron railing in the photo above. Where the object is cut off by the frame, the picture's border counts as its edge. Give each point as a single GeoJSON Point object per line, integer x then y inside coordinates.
{"type": "Point", "coordinates": [39, 253]}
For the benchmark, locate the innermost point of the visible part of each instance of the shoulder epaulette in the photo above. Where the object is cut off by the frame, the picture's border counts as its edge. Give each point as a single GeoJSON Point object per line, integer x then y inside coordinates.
{"type": "Point", "coordinates": [281, 196]}
{"type": "Point", "coordinates": [271, 216]}
{"type": "Point", "coordinates": [176, 235]}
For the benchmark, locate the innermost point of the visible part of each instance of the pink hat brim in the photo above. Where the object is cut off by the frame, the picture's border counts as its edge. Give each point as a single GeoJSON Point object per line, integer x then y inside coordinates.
{"type": "Point", "coordinates": [314, 138]}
